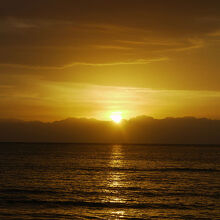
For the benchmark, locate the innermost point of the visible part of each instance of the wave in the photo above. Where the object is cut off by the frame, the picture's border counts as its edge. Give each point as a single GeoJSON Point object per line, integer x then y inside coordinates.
{"type": "Point", "coordinates": [133, 191]}
{"type": "Point", "coordinates": [53, 204]}
{"type": "Point", "coordinates": [27, 191]}
{"type": "Point", "coordinates": [179, 194]}
{"type": "Point", "coordinates": [173, 169]}
{"type": "Point", "coordinates": [41, 215]}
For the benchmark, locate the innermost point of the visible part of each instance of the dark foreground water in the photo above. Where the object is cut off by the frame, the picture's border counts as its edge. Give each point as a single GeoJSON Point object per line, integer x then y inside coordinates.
{"type": "Point", "coordinates": [60, 181]}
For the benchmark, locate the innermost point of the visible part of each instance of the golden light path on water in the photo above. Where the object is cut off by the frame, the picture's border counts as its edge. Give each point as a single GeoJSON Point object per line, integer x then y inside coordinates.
{"type": "Point", "coordinates": [115, 162]}
{"type": "Point", "coordinates": [115, 178]}
{"type": "Point", "coordinates": [118, 181]}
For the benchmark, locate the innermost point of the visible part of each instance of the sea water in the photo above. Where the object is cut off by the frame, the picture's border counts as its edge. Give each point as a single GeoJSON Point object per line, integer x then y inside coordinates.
{"type": "Point", "coordinates": [78, 181]}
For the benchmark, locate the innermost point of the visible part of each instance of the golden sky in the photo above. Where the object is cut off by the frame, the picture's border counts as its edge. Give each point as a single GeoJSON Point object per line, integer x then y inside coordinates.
{"type": "Point", "coordinates": [83, 58]}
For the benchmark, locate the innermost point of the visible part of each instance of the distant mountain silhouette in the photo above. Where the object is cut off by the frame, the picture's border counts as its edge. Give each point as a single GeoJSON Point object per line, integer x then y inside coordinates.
{"type": "Point", "coordinates": [140, 130]}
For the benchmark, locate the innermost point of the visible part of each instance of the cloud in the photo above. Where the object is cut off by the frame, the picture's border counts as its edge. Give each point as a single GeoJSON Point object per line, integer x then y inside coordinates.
{"type": "Point", "coordinates": [45, 100]}
{"type": "Point", "coordinates": [58, 34]}
{"type": "Point", "coordinates": [133, 62]}
{"type": "Point", "coordinates": [139, 130]}
{"type": "Point", "coordinates": [215, 34]}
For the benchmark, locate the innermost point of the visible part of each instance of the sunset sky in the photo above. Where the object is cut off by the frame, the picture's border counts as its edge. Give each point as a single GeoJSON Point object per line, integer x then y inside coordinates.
{"type": "Point", "coordinates": [89, 58]}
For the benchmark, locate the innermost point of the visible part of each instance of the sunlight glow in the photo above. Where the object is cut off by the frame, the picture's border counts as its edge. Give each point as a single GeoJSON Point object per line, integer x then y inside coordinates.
{"type": "Point", "coordinates": [116, 117]}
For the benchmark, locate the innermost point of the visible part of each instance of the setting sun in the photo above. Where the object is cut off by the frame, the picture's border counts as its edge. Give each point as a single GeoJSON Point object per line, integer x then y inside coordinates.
{"type": "Point", "coordinates": [116, 117]}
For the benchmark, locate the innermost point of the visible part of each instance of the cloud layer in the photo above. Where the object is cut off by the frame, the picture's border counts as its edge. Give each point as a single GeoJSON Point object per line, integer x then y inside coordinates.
{"type": "Point", "coordinates": [140, 130]}
{"type": "Point", "coordinates": [55, 33]}
{"type": "Point", "coordinates": [48, 101]}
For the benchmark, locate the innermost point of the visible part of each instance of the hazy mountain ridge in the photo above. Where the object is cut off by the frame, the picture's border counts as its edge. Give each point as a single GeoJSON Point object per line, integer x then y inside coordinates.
{"type": "Point", "coordinates": [142, 129]}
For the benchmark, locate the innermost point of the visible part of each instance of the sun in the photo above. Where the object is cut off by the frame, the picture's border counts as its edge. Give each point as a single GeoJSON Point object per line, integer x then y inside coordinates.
{"type": "Point", "coordinates": [116, 117]}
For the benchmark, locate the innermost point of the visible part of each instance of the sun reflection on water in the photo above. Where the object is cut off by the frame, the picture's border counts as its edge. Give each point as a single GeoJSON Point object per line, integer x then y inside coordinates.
{"type": "Point", "coordinates": [116, 161]}
{"type": "Point", "coordinates": [118, 214]}
{"type": "Point", "coordinates": [116, 156]}
{"type": "Point", "coordinates": [115, 179]}
{"type": "Point", "coordinates": [115, 175]}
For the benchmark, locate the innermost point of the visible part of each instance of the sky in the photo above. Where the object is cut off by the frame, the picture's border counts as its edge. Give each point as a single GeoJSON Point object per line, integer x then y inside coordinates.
{"type": "Point", "coordinates": [83, 58]}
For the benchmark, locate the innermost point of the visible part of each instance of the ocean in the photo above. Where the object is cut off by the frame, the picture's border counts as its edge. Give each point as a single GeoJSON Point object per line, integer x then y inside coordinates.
{"type": "Point", "coordinates": [79, 181]}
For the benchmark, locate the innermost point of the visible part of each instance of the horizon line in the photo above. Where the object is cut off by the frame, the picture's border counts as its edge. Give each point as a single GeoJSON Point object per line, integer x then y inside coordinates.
{"type": "Point", "coordinates": [100, 143]}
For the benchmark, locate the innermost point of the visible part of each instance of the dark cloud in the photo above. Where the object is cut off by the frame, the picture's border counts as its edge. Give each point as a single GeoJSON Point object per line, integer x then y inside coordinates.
{"type": "Point", "coordinates": [137, 130]}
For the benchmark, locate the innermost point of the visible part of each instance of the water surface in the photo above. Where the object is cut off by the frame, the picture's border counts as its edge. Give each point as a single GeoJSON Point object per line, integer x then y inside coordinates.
{"type": "Point", "coordinates": [70, 181]}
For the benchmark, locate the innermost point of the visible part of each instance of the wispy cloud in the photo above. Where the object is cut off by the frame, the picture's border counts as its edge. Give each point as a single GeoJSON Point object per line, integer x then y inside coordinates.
{"type": "Point", "coordinates": [112, 47]}
{"type": "Point", "coordinates": [132, 62]}
{"type": "Point", "coordinates": [68, 99]}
